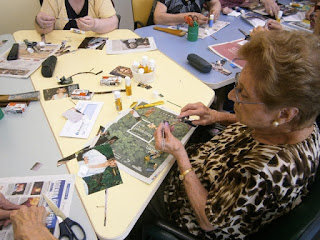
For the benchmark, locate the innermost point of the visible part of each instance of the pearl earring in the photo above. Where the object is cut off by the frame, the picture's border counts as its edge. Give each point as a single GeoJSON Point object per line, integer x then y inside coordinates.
{"type": "Point", "coordinates": [275, 123]}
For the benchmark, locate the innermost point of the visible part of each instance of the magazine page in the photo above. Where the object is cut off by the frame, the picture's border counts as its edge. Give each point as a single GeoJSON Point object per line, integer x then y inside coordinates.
{"type": "Point", "coordinates": [133, 45]}
{"type": "Point", "coordinates": [27, 62]}
{"type": "Point", "coordinates": [228, 50]}
{"type": "Point", "coordinates": [134, 147]}
{"type": "Point", "coordinates": [29, 191]}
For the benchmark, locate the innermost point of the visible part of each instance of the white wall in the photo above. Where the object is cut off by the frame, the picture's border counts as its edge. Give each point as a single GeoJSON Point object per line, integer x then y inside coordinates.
{"type": "Point", "coordinates": [19, 14]}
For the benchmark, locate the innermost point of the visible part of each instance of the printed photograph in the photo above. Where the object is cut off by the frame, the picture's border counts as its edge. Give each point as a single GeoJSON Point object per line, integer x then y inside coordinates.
{"type": "Point", "coordinates": [93, 43]}
{"type": "Point", "coordinates": [59, 92]}
{"type": "Point", "coordinates": [122, 72]}
{"type": "Point", "coordinates": [19, 188]}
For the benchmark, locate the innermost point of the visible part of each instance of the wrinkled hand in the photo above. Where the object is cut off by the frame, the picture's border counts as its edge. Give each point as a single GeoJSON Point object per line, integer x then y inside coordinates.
{"type": "Point", "coordinates": [214, 7]}
{"type": "Point", "coordinates": [206, 115]}
{"type": "Point", "coordinates": [273, 25]}
{"type": "Point", "coordinates": [86, 23]}
{"type": "Point", "coordinates": [45, 21]}
{"type": "Point", "coordinates": [201, 18]}
{"type": "Point", "coordinates": [30, 222]}
{"type": "Point", "coordinates": [6, 208]}
{"type": "Point", "coordinates": [271, 7]}
{"type": "Point", "coordinates": [172, 144]}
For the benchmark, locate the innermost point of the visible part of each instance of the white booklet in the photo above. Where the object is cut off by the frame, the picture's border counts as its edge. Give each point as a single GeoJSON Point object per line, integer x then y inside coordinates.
{"type": "Point", "coordinates": [123, 46]}
{"type": "Point", "coordinates": [82, 128]}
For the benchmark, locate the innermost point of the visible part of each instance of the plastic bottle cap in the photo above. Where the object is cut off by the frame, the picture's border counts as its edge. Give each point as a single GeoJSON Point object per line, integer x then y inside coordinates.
{"type": "Point", "coordinates": [141, 71]}
{"type": "Point", "coordinates": [128, 81]}
{"type": "Point", "coordinates": [116, 94]}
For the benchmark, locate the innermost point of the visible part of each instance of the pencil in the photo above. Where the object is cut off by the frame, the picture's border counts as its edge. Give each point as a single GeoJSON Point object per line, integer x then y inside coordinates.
{"type": "Point", "coordinates": [213, 37]}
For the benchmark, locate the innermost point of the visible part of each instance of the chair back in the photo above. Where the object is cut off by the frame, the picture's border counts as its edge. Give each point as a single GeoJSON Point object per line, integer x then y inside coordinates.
{"type": "Point", "coordinates": [141, 10]}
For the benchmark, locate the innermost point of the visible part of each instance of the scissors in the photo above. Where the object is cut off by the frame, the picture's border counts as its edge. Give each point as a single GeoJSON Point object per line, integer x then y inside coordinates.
{"type": "Point", "coordinates": [191, 20]}
{"type": "Point", "coordinates": [68, 229]}
{"type": "Point", "coordinates": [246, 35]}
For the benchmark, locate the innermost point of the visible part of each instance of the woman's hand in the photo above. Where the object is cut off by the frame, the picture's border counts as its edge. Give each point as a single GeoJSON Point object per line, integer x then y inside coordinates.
{"type": "Point", "coordinates": [86, 23]}
{"type": "Point", "coordinates": [199, 109]}
{"type": "Point", "coordinates": [171, 144]}
{"type": "Point", "coordinates": [6, 208]}
{"type": "Point", "coordinates": [271, 7]}
{"type": "Point", "coordinates": [45, 21]}
{"type": "Point", "coordinates": [29, 223]}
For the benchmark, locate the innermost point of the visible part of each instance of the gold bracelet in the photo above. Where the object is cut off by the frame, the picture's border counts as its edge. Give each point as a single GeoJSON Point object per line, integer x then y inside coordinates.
{"type": "Point", "coordinates": [183, 175]}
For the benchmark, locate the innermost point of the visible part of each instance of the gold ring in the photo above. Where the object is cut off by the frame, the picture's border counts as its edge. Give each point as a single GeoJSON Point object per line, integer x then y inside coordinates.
{"type": "Point", "coordinates": [270, 12]}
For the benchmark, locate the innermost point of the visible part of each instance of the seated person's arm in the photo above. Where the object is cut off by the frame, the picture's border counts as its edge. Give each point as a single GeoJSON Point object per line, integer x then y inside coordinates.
{"type": "Point", "coordinates": [29, 224]}
{"type": "Point", "coordinates": [207, 115]}
{"type": "Point", "coordinates": [197, 194]}
{"type": "Point", "coordinates": [271, 7]}
{"type": "Point", "coordinates": [103, 25]}
{"type": "Point", "coordinates": [160, 16]}
{"type": "Point", "coordinates": [214, 7]}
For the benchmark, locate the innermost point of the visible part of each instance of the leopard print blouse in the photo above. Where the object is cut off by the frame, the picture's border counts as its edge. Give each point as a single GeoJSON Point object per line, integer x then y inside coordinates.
{"type": "Point", "coordinates": [249, 183]}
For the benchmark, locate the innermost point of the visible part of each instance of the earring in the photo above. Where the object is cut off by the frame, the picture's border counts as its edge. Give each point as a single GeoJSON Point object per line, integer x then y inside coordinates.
{"type": "Point", "coordinates": [275, 123]}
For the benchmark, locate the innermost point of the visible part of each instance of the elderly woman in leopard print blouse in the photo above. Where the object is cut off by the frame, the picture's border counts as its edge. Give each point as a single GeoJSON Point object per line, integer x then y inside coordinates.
{"type": "Point", "coordinates": [260, 167]}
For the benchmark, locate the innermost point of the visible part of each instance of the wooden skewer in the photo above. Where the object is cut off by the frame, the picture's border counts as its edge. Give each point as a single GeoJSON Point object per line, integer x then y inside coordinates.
{"type": "Point", "coordinates": [171, 31]}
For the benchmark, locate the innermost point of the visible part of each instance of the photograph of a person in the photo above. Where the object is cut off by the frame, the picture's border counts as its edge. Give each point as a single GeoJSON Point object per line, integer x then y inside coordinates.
{"type": "Point", "coordinates": [19, 188]}
{"type": "Point", "coordinates": [122, 72]}
{"type": "Point", "coordinates": [59, 92]}
{"type": "Point", "coordinates": [135, 43]}
{"type": "Point", "coordinates": [98, 168]}
{"type": "Point", "coordinates": [93, 43]}
{"type": "Point", "coordinates": [36, 189]}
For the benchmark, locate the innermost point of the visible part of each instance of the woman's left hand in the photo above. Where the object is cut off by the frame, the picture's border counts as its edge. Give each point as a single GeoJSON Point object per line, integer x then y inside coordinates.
{"type": "Point", "coordinates": [86, 23]}
{"type": "Point", "coordinates": [6, 208]}
{"type": "Point", "coordinates": [171, 144]}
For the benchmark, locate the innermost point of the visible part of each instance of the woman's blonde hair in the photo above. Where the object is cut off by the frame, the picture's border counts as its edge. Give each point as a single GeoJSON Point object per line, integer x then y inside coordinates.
{"type": "Point", "coordinates": [287, 68]}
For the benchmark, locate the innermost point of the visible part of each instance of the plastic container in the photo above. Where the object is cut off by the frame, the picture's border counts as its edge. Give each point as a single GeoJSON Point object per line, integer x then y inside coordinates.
{"type": "Point", "coordinates": [144, 78]}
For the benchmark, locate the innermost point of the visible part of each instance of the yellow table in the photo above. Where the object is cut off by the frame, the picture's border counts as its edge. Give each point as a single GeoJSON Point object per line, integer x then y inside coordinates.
{"type": "Point", "coordinates": [127, 201]}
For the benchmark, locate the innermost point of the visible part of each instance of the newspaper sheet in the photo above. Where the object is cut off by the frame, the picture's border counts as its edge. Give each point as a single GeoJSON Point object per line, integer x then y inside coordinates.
{"type": "Point", "coordinates": [29, 190]}
{"type": "Point", "coordinates": [27, 62]}
{"type": "Point", "coordinates": [134, 148]}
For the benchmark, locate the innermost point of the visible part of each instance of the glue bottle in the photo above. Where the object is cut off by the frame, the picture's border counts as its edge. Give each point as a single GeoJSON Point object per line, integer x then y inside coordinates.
{"type": "Point", "coordinates": [151, 65]}
{"type": "Point", "coordinates": [279, 16]}
{"type": "Point", "coordinates": [143, 63]}
{"type": "Point", "coordinates": [211, 20]}
{"type": "Point", "coordinates": [118, 101]}
{"type": "Point", "coordinates": [128, 86]}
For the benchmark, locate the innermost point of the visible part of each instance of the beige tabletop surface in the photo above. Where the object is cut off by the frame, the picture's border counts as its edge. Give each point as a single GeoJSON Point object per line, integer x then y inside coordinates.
{"type": "Point", "coordinates": [127, 201]}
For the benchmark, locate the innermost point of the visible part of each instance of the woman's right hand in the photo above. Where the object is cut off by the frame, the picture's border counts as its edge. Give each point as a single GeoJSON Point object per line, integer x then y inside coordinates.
{"type": "Point", "coordinates": [171, 144]}
{"type": "Point", "coordinates": [206, 115]}
{"type": "Point", "coordinates": [45, 21]}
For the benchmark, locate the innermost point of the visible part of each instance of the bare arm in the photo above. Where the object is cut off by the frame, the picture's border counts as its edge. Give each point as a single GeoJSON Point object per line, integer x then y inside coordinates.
{"type": "Point", "coordinates": [102, 25]}
{"type": "Point", "coordinates": [162, 17]}
{"type": "Point", "coordinates": [197, 194]}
